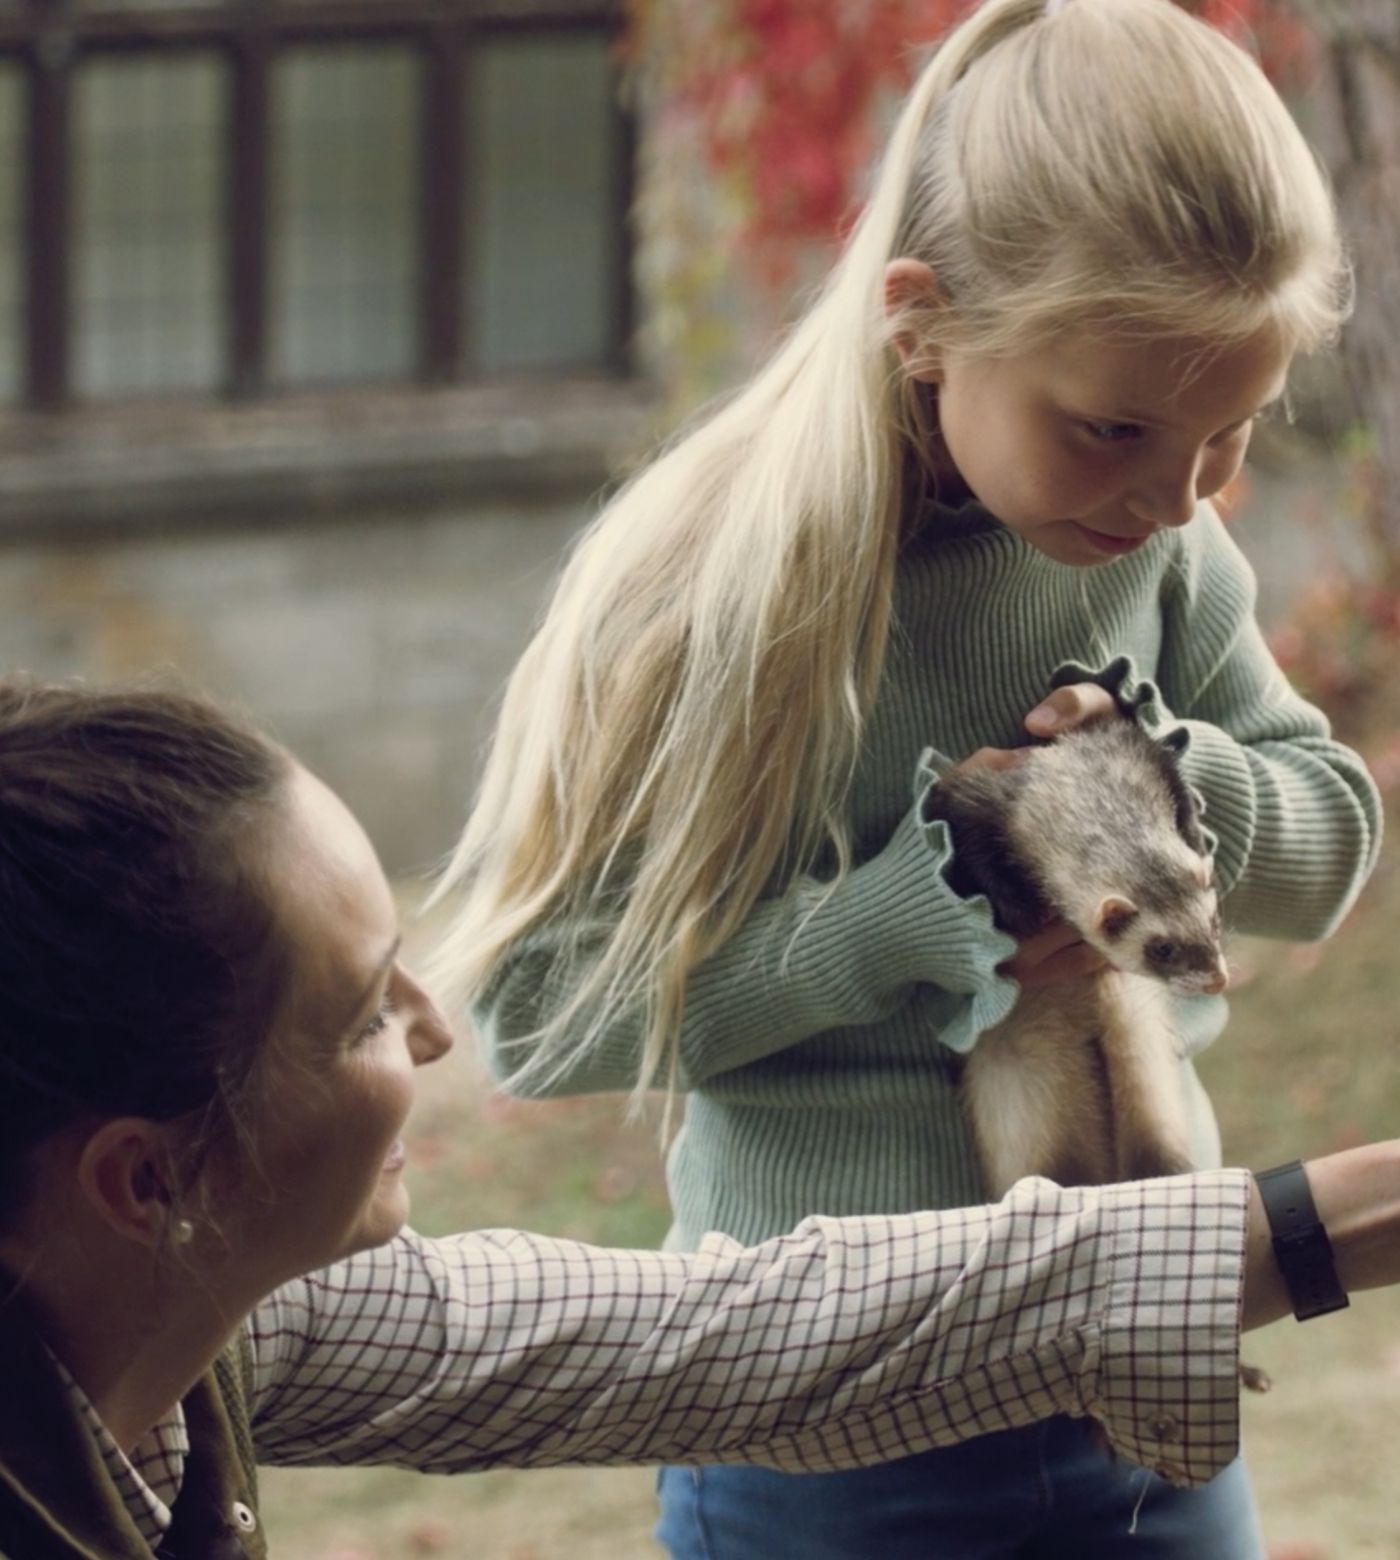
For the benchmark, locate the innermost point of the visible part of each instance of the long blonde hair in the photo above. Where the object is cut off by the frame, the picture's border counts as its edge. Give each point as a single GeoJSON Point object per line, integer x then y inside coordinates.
{"type": "Point", "coordinates": [682, 732]}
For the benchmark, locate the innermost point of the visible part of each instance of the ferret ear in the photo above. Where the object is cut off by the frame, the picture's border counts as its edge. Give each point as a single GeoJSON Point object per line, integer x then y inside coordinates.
{"type": "Point", "coordinates": [1114, 916]}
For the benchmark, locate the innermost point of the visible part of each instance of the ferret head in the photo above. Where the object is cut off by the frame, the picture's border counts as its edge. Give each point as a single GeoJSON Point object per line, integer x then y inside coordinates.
{"type": "Point", "coordinates": [1171, 932]}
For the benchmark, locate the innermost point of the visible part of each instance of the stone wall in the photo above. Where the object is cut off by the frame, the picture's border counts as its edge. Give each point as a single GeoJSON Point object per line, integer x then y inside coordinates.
{"type": "Point", "coordinates": [372, 634]}
{"type": "Point", "coordinates": [373, 648]}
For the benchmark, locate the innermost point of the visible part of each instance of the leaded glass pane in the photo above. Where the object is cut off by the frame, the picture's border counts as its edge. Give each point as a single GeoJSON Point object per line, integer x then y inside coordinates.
{"type": "Point", "coordinates": [344, 230]}
{"type": "Point", "coordinates": [11, 220]}
{"type": "Point", "coordinates": [543, 235]}
{"type": "Point", "coordinates": [148, 173]}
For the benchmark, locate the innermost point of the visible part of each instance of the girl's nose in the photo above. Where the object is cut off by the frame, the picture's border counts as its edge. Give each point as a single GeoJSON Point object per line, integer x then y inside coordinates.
{"type": "Point", "coordinates": [1169, 497]}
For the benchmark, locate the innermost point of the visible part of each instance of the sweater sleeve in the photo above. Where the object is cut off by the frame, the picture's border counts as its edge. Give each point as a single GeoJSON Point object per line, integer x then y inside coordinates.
{"type": "Point", "coordinates": [1294, 817]}
{"type": "Point", "coordinates": [816, 956]}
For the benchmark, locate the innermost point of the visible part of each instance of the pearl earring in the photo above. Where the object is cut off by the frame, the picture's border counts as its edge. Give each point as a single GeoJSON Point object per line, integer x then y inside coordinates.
{"type": "Point", "coordinates": [181, 1232]}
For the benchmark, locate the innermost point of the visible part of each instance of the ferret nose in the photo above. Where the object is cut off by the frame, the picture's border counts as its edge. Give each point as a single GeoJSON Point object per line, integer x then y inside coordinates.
{"type": "Point", "coordinates": [1217, 983]}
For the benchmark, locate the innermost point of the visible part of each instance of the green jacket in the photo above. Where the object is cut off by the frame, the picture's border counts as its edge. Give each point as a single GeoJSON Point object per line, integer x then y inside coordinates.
{"type": "Point", "coordinates": [57, 1501]}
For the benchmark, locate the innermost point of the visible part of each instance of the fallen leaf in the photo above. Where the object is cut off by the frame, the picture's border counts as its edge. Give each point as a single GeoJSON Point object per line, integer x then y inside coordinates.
{"type": "Point", "coordinates": [431, 1537]}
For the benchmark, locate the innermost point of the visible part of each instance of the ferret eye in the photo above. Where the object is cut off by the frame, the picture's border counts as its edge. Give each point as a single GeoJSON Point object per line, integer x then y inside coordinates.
{"type": "Point", "coordinates": [1161, 951]}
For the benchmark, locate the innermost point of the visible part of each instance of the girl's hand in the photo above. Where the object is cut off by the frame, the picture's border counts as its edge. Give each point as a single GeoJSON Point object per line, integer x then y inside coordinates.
{"type": "Point", "coordinates": [1051, 956]}
{"type": "Point", "coordinates": [1076, 705]}
{"type": "Point", "coordinates": [1066, 708]}
{"type": "Point", "coordinates": [1056, 953]}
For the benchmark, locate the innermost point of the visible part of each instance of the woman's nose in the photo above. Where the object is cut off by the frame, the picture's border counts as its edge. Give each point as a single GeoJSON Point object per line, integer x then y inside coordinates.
{"type": "Point", "coordinates": [429, 1035]}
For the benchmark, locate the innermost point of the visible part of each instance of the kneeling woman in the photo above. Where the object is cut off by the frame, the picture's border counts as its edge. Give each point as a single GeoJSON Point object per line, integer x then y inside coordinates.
{"type": "Point", "coordinates": [207, 1047]}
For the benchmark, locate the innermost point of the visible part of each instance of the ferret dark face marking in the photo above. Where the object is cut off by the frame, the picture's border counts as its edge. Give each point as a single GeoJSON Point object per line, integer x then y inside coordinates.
{"type": "Point", "coordinates": [1185, 953]}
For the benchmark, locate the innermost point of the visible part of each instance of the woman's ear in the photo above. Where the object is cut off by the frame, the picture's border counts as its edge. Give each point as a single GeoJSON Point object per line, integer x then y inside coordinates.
{"type": "Point", "coordinates": [123, 1172]}
{"type": "Point", "coordinates": [912, 293]}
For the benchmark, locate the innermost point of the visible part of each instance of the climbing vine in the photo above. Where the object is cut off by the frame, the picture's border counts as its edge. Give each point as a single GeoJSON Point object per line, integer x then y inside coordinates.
{"type": "Point", "coordinates": [762, 119]}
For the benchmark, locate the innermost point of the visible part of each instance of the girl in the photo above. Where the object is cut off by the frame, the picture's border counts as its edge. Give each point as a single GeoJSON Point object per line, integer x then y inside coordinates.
{"type": "Point", "coordinates": [207, 1049]}
{"type": "Point", "coordinates": [966, 501]}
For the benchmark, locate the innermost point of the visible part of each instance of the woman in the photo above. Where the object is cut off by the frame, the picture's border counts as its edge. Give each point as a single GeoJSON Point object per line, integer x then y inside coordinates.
{"type": "Point", "coordinates": [207, 1049]}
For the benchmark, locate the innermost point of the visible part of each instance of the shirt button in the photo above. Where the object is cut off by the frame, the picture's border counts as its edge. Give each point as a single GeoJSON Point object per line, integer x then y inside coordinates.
{"type": "Point", "coordinates": [1173, 1473]}
{"type": "Point", "coordinates": [243, 1518]}
{"type": "Point", "coordinates": [1165, 1428]}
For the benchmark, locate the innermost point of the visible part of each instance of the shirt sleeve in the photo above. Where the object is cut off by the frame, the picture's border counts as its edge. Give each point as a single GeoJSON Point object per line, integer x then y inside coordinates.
{"type": "Point", "coordinates": [848, 1342]}
{"type": "Point", "coordinates": [1293, 814]}
{"type": "Point", "coordinates": [817, 956]}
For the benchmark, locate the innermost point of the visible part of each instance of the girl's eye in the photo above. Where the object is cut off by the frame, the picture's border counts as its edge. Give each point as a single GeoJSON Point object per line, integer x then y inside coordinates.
{"type": "Point", "coordinates": [1111, 432]}
{"type": "Point", "coordinates": [378, 1024]}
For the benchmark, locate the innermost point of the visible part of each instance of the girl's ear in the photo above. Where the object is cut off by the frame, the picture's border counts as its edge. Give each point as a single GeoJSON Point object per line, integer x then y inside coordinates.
{"type": "Point", "coordinates": [911, 292]}
{"type": "Point", "coordinates": [123, 1174]}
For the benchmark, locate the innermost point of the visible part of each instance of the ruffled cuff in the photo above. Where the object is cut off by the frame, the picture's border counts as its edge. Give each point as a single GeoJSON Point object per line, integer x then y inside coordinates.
{"type": "Point", "coordinates": [1139, 698]}
{"type": "Point", "coordinates": [954, 948]}
{"type": "Point", "coordinates": [1213, 763]}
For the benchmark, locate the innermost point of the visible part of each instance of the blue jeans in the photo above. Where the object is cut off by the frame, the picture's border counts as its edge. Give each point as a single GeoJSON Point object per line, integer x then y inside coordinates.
{"type": "Point", "coordinates": [1047, 1492]}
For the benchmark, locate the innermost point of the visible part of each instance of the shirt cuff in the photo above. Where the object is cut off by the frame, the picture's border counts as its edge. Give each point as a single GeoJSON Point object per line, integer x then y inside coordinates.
{"type": "Point", "coordinates": [1167, 1380]}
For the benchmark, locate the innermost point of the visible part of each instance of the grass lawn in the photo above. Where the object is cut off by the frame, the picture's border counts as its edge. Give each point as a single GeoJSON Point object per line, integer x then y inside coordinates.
{"type": "Point", "coordinates": [1311, 1062]}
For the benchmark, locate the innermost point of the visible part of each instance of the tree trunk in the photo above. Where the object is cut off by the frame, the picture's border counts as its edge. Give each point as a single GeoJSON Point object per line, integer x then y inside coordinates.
{"type": "Point", "coordinates": [1358, 133]}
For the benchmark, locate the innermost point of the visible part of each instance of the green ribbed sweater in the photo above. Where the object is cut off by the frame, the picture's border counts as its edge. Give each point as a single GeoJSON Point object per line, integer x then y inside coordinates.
{"type": "Point", "coordinates": [820, 1068]}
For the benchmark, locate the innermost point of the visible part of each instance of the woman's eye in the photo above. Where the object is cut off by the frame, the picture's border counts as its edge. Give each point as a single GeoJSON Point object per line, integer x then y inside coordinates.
{"type": "Point", "coordinates": [378, 1024]}
{"type": "Point", "coordinates": [1112, 432]}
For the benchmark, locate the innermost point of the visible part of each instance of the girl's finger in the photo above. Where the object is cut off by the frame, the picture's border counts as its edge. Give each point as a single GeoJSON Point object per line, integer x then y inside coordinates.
{"type": "Point", "coordinates": [1068, 707]}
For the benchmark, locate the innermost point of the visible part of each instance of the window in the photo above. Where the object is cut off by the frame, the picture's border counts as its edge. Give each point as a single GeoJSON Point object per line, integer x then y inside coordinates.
{"type": "Point", "coordinates": [256, 194]}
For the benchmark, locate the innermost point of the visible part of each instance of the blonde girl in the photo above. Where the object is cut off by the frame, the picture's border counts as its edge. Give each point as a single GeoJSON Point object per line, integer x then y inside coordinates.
{"type": "Point", "coordinates": [966, 500]}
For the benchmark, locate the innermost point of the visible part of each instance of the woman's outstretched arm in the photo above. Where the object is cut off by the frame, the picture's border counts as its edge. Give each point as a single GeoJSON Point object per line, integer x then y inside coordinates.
{"type": "Point", "coordinates": [850, 1341]}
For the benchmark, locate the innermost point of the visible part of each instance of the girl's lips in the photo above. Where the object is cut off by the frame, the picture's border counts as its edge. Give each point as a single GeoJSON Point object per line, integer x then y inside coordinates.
{"type": "Point", "coordinates": [1112, 544]}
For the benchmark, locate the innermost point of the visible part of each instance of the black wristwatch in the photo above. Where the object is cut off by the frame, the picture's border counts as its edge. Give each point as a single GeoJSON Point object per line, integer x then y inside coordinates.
{"type": "Point", "coordinates": [1301, 1247]}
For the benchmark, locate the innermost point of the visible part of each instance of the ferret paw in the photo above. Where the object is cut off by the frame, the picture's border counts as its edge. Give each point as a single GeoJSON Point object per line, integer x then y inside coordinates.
{"type": "Point", "coordinates": [1252, 1379]}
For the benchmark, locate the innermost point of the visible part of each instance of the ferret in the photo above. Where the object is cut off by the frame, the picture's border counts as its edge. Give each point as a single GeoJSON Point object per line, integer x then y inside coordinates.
{"type": "Point", "coordinates": [1082, 1082]}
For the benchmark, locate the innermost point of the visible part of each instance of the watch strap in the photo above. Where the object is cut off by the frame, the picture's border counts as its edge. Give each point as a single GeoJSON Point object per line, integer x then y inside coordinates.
{"type": "Point", "coordinates": [1301, 1247]}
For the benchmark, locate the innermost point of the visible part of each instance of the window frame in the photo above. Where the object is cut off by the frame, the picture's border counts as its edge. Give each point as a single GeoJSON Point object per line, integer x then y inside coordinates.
{"type": "Point", "coordinates": [49, 38]}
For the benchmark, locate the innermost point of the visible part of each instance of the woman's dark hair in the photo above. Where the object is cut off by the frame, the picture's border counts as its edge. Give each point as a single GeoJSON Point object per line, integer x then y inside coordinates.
{"type": "Point", "coordinates": [139, 966]}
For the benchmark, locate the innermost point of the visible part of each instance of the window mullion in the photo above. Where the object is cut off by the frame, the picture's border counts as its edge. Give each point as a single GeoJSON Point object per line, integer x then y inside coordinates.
{"type": "Point", "coordinates": [442, 174]}
{"type": "Point", "coordinates": [47, 202]}
{"type": "Point", "coordinates": [248, 210]}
